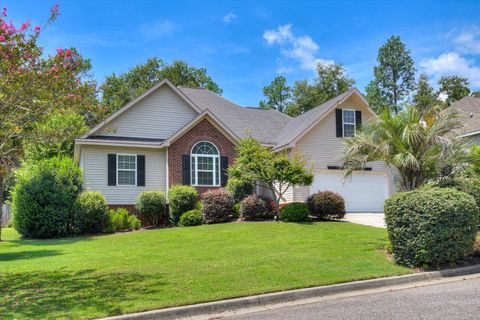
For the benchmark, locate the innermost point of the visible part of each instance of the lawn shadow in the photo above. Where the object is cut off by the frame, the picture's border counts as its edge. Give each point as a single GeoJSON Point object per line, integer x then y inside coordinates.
{"type": "Point", "coordinates": [46, 242]}
{"type": "Point", "coordinates": [61, 294]}
{"type": "Point", "coordinates": [24, 255]}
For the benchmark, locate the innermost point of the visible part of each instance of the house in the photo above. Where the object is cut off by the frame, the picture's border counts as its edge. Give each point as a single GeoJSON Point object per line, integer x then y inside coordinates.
{"type": "Point", "coordinates": [176, 135]}
{"type": "Point", "coordinates": [469, 107]}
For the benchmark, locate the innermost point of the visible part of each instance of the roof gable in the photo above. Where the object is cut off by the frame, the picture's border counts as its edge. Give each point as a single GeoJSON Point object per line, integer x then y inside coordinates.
{"type": "Point", "coordinates": [146, 95]}
{"type": "Point", "coordinates": [297, 127]}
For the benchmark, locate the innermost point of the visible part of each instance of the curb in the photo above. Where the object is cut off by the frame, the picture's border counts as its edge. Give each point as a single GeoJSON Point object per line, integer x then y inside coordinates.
{"type": "Point", "coordinates": [291, 295]}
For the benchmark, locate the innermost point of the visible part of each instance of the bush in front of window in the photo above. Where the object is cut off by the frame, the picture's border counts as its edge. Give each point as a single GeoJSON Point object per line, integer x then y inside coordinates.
{"type": "Point", "coordinates": [90, 212]}
{"type": "Point", "coordinates": [151, 204]}
{"type": "Point", "coordinates": [180, 200]}
{"type": "Point", "coordinates": [256, 208]}
{"type": "Point", "coordinates": [217, 206]}
{"type": "Point", "coordinates": [121, 220]}
{"type": "Point", "coordinates": [240, 189]}
{"type": "Point", "coordinates": [326, 205]}
{"type": "Point", "coordinates": [431, 226]}
{"type": "Point", "coordinates": [294, 212]}
{"type": "Point", "coordinates": [44, 196]}
{"type": "Point", "coordinates": [191, 218]}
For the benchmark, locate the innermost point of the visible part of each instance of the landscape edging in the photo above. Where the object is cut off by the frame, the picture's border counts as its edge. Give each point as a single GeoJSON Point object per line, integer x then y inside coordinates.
{"type": "Point", "coordinates": [291, 295]}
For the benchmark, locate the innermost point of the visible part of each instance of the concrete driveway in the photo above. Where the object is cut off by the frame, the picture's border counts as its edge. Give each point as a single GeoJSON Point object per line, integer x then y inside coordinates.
{"type": "Point", "coordinates": [368, 219]}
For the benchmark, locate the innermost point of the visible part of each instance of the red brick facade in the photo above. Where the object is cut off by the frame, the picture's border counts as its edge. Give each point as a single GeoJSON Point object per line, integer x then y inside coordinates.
{"type": "Point", "coordinates": [203, 131]}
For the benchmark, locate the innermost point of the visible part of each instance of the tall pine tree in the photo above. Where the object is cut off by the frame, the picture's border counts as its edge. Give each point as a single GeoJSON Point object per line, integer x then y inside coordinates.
{"type": "Point", "coordinates": [394, 75]}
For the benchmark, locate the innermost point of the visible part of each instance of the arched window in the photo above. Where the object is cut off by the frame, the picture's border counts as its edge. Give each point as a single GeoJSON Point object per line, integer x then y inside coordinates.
{"type": "Point", "coordinates": [205, 162]}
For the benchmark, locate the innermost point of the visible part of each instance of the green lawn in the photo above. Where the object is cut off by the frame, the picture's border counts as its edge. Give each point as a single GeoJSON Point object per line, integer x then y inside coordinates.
{"type": "Point", "coordinates": [87, 277]}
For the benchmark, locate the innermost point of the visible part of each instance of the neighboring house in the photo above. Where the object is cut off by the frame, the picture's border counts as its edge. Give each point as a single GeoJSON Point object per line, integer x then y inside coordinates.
{"type": "Point", "coordinates": [470, 116]}
{"type": "Point", "coordinates": [176, 135]}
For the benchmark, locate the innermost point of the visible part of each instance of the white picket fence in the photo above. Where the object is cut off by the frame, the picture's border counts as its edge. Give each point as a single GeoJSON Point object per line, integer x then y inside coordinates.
{"type": "Point", "coordinates": [6, 215]}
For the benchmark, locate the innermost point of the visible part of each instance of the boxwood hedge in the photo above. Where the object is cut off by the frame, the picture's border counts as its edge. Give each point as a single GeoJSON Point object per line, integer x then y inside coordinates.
{"type": "Point", "coordinates": [431, 226]}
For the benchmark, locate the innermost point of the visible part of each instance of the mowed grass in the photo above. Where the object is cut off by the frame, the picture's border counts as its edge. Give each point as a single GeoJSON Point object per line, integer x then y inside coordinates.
{"type": "Point", "coordinates": [88, 277]}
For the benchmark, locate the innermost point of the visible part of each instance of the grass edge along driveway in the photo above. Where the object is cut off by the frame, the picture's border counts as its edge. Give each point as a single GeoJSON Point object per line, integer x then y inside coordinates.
{"type": "Point", "coordinates": [89, 277]}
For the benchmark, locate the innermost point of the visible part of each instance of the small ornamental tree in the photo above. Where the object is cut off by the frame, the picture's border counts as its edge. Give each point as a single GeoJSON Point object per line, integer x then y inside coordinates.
{"type": "Point", "coordinates": [33, 85]}
{"type": "Point", "coordinates": [276, 170]}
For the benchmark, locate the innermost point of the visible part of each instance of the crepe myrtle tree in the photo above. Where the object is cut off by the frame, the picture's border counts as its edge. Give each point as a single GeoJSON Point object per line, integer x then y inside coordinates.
{"type": "Point", "coordinates": [33, 85]}
{"type": "Point", "coordinates": [276, 170]}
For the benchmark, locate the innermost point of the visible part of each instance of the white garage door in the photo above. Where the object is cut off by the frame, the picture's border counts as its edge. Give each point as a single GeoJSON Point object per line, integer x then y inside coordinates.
{"type": "Point", "coordinates": [363, 192]}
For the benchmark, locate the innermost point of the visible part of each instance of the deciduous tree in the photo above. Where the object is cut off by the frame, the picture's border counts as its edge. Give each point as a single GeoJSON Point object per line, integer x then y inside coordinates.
{"type": "Point", "coordinates": [117, 90]}
{"type": "Point", "coordinates": [453, 87]}
{"type": "Point", "coordinates": [276, 170]}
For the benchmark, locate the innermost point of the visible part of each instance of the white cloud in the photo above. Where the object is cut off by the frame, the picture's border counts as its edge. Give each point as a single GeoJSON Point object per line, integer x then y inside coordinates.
{"type": "Point", "coordinates": [468, 41]}
{"type": "Point", "coordinates": [452, 63]}
{"type": "Point", "coordinates": [229, 17]}
{"type": "Point", "coordinates": [300, 48]}
{"type": "Point", "coordinates": [158, 29]}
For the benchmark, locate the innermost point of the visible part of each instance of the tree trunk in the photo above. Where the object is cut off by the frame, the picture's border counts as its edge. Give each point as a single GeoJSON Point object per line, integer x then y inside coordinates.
{"type": "Point", "coordinates": [275, 199]}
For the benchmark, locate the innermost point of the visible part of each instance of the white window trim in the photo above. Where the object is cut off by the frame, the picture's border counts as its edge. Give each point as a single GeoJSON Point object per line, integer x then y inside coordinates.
{"type": "Point", "coordinates": [130, 170]}
{"type": "Point", "coordinates": [354, 122]}
{"type": "Point", "coordinates": [196, 170]}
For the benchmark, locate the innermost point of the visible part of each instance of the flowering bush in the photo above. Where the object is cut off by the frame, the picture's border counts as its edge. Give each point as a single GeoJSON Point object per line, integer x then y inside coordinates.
{"type": "Point", "coordinates": [217, 206]}
{"type": "Point", "coordinates": [254, 208]}
{"type": "Point", "coordinates": [326, 204]}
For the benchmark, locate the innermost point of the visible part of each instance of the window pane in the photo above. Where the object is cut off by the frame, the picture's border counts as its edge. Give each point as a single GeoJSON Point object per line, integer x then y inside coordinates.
{"type": "Point", "coordinates": [348, 116]}
{"type": "Point", "coordinates": [204, 148]}
{"type": "Point", "coordinates": [348, 130]}
{"type": "Point", "coordinates": [126, 162]}
{"type": "Point", "coordinates": [205, 178]}
{"type": "Point", "coordinates": [205, 163]}
{"type": "Point", "coordinates": [126, 177]}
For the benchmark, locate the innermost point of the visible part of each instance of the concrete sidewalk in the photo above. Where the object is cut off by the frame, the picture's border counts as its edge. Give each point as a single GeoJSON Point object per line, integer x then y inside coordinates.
{"type": "Point", "coordinates": [368, 219]}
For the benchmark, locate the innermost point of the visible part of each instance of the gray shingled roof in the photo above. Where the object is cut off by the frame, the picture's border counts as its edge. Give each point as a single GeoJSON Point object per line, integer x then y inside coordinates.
{"type": "Point", "coordinates": [470, 113]}
{"type": "Point", "coordinates": [263, 125]}
{"type": "Point", "coordinates": [267, 126]}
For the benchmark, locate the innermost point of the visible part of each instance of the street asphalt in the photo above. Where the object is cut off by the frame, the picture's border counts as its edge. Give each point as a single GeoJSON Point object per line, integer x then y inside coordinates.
{"type": "Point", "coordinates": [452, 300]}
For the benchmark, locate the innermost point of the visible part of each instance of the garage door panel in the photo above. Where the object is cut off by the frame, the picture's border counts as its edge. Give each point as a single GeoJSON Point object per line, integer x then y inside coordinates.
{"type": "Point", "coordinates": [363, 191]}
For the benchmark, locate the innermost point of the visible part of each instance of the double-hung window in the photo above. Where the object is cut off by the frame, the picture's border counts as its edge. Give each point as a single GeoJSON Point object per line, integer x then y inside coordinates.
{"type": "Point", "coordinates": [348, 122]}
{"type": "Point", "coordinates": [126, 170]}
{"type": "Point", "coordinates": [205, 165]}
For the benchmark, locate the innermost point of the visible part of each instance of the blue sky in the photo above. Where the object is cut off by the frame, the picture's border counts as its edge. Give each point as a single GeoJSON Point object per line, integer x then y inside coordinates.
{"type": "Point", "coordinates": [245, 44]}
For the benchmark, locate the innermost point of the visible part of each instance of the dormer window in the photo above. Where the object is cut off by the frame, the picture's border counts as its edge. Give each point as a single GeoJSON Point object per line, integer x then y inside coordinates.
{"type": "Point", "coordinates": [348, 123]}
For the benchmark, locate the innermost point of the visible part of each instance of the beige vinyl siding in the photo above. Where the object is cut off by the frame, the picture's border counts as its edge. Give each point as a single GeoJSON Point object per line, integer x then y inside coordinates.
{"type": "Point", "coordinates": [322, 148]}
{"type": "Point", "coordinates": [94, 163]}
{"type": "Point", "coordinates": [159, 115]}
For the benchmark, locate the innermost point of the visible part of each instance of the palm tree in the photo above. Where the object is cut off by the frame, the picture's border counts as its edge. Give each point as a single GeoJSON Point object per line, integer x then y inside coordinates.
{"type": "Point", "coordinates": [417, 145]}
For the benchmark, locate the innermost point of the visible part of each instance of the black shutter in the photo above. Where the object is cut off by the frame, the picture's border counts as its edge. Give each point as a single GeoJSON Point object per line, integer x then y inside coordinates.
{"type": "Point", "coordinates": [339, 121]}
{"type": "Point", "coordinates": [358, 119]}
{"type": "Point", "coordinates": [140, 170]}
{"type": "Point", "coordinates": [223, 171]}
{"type": "Point", "coordinates": [186, 169]}
{"type": "Point", "coordinates": [112, 169]}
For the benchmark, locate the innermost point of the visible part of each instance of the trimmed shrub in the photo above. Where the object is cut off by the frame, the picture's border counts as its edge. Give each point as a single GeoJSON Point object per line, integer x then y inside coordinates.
{"type": "Point", "coordinates": [120, 219]}
{"type": "Point", "coordinates": [326, 205]}
{"type": "Point", "coordinates": [90, 212]}
{"type": "Point", "coordinates": [151, 204]}
{"type": "Point", "coordinates": [431, 226]}
{"type": "Point", "coordinates": [181, 199]}
{"type": "Point", "coordinates": [191, 218]}
{"type": "Point", "coordinates": [240, 189]}
{"type": "Point", "coordinates": [294, 212]}
{"type": "Point", "coordinates": [44, 196]}
{"type": "Point", "coordinates": [217, 206]}
{"type": "Point", "coordinates": [256, 208]}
